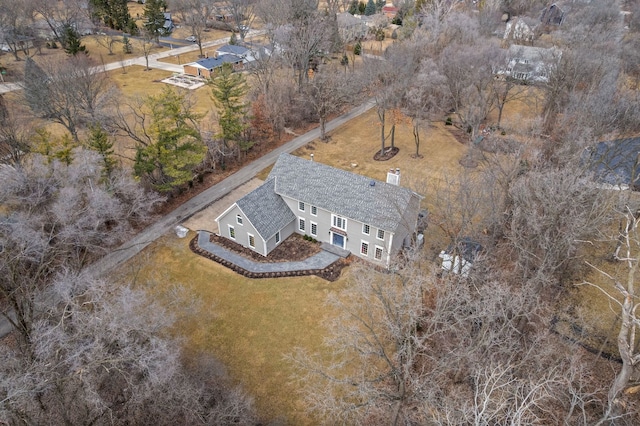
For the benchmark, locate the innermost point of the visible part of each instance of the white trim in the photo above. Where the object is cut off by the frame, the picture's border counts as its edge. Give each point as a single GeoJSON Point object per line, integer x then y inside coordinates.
{"type": "Point", "coordinates": [305, 224]}
{"type": "Point", "coordinates": [362, 242]}
{"type": "Point", "coordinates": [333, 221]}
{"type": "Point", "coordinates": [368, 226]}
{"type": "Point", "coordinates": [239, 219]}
{"type": "Point", "coordinates": [224, 213]}
{"type": "Point", "coordinates": [312, 209]}
{"type": "Point", "coordinates": [230, 228]}
{"type": "Point", "coordinates": [303, 205]}
{"type": "Point", "coordinates": [378, 231]}
{"type": "Point", "coordinates": [278, 239]}
{"type": "Point", "coordinates": [389, 252]}
{"type": "Point", "coordinates": [249, 237]}
{"type": "Point", "coordinates": [344, 240]}
{"type": "Point", "coordinates": [311, 229]}
{"type": "Point", "coordinates": [375, 253]}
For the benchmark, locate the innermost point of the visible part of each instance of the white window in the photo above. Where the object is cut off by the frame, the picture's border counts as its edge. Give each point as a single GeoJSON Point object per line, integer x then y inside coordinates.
{"type": "Point", "coordinates": [314, 211]}
{"type": "Point", "coordinates": [340, 222]}
{"type": "Point", "coordinates": [301, 224]}
{"type": "Point", "coordinates": [239, 219]}
{"type": "Point", "coordinates": [300, 206]}
{"type": "Point", "coordinates": [314, 229]}
{"type": "Point", "coordinates": [378, 253]}
{"type": "Point", "coordinates": [380, 235]}
{"type": "Point", "coordinates": [366, 229]}
{"type": "Point", "coordinates": [252, 241]}
{"type": "Point", "coordinates": [232, 232]}
{"type": "Point", "coordinates": [277, 237]}
{"type": "Point", "coordinates": [364, 248]}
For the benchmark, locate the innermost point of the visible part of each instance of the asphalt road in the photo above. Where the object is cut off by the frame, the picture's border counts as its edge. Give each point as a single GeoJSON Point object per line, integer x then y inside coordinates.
{"type": "Point", "coordinates": [212, 194]}
{"type": "Point", "coordinates": [165, 224]}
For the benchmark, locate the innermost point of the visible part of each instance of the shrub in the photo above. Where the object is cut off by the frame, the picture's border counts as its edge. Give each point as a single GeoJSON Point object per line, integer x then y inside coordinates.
{"type": "Point", "coordinates": [448, 122]}
{"type": "Point", "coordinates": [357, 49]}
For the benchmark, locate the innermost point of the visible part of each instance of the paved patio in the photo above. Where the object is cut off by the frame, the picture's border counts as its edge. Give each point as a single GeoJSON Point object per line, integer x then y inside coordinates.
{"type": "Point", "coordinates": [311, 265]}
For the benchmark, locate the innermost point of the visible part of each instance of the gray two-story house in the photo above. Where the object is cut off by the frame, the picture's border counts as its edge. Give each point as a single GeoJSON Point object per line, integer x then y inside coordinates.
{"type": "Point", "coordinates": [369, 218]}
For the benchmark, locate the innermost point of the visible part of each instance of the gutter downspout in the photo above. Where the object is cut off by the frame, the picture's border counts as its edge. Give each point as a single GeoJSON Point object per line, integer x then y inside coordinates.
{"type": "Point", "coordinates": [389, 250]}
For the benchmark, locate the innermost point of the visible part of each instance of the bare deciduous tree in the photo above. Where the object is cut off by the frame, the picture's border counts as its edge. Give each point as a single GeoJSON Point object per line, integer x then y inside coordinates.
{"type": "Point", "coordinates": [60, 216]}
{"type": "Point", "coordinates": [72, 92]}
{"type": "Point", "coordinates": [98, 356]}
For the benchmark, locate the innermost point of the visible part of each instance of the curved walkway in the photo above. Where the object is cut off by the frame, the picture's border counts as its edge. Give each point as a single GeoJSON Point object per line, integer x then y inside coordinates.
{"type": "Point", "coordinates": [311, 266]}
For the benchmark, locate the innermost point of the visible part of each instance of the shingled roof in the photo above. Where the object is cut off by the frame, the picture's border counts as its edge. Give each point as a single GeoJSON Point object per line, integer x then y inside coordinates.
{"type": "Point", "coordinates": [266, 210]}
{"type": "Point", "coordinates": [615, 162]}
{"type": "Point", "coordinates": [350, 195]}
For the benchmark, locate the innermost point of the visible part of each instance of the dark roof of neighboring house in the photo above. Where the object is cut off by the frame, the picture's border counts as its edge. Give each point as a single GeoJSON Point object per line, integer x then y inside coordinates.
{"type": "Point", "coordinates": [212, 63]}
{"type": "Point", "coordinates": [234, 49]}
{"type": "Point", "coordinates": [353, 196]}
{"type": "Point", "coordinates": [266, 210]}
{"type": "Point", "coordinates": [615, 162]}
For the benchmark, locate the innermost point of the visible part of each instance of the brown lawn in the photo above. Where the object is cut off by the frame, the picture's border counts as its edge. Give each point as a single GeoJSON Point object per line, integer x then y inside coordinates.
{"type": "Point", "coordinates": [249, 325]}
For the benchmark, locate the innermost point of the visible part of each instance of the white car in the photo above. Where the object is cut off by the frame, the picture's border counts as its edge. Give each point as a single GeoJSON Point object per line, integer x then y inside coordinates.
{"type": "Point", "coordinates": [191, 38]}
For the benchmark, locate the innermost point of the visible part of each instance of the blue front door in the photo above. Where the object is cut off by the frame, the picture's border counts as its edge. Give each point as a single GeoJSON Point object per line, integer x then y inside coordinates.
{"type": "Point", "coordinates": [338, 240]}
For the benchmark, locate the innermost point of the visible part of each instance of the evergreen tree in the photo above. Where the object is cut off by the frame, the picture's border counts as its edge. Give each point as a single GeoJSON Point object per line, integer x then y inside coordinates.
{"type": "Point", "coordinates": [370, 9]}
{"type": "Point", "coordinates": [233, 40]}
{"type": "Point", "coordinates": [114, 13]}
{"type": "Point", "coordinates": [154, 18]}
{"type": "Point", "coordinates": [228, 90]}
{"type": "Point", "coordinates": [380, 4]}
{"type": "Point", "coordinates": [176, 146]}
{"type": "Point", "coordinates": [73, 44]}
{"type": "Point", "coordinates": [99, 142]}
{"type": "Point", "coordinates": [353, 7]}
{"type": "Point", "coordinates": [126, 45]}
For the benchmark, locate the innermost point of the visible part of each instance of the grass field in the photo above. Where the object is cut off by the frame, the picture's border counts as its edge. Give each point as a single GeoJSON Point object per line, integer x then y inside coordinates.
{"type": "Point", "coordinates": [249, 325]}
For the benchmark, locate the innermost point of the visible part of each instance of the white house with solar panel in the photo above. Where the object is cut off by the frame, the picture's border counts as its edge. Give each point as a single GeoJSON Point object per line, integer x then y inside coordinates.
{"type": "Point", "coordinates": [369, 218]}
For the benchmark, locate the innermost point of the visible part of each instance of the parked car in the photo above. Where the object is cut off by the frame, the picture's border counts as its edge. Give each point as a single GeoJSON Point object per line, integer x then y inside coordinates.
{"type": "Point", "coordinates": [191, 38]}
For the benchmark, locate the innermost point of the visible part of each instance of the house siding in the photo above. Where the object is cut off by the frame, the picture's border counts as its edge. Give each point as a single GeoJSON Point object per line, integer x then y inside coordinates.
{"type": "Point", "coordinates": [284, 234]}
{"type": "Point", "coordinates": [242, 231]}
{"type": "Point", "coordinates": [354, 233]}
{"type": "Point", "coordinates": [191, 70]}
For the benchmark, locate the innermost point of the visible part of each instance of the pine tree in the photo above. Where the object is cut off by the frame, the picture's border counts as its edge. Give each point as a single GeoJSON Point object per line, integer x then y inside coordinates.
{"type": "Point", "coordinates": [72, 42]}
{"type": "Point", "coordinates": [380, 4]}
{"type": "Point", "coordinates": [370, 9]}
{"type": "Point", "coordinates": [154, 18]}
{"type": "Point", "coordinates": [99, 142]}
{"type": "Point", "coordinates": [228, 90]}
{"type": "Point", "coordinates": [176, 148]}
{"type": "Point", "coordinates": [126, 45]}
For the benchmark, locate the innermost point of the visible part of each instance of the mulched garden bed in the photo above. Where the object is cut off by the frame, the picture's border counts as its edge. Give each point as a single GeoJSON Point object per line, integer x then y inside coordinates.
{"type": "Point", "coordinates": [292, 249]}
{"type": "Point", "coordinates": [330, 273]}
{"type": "Point", "coordinates": [388, 154]}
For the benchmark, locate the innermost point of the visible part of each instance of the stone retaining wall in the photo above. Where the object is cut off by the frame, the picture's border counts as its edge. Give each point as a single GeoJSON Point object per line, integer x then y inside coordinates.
{"type": "Point", "coordinates": [322, 273]}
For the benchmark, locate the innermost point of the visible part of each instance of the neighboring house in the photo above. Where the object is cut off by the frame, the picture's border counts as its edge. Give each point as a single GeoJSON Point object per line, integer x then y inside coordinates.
{"type": "Point", "coordinates": [369, 218]}
{"type": "Point", "coordinates": [553, 14]}
{"type": "Point", "coordinates": [390, 10]}
{"type": "Point", "coordinates": [209, 66]}
{"type": "Point", "coordinates": [530, 64]}
{"type": "Point", "coordinates": [236, 50]}
{"type": "Point", "coordinates": [615, 164]}
{"type": "Point", "coordinates": [520, 31]}
{"type": "Point", "coordinates": [351, 28]}
{"type": "Point", "coordinates": [167, 27]}
{"type": "Point", "coordinates": [459, 258]}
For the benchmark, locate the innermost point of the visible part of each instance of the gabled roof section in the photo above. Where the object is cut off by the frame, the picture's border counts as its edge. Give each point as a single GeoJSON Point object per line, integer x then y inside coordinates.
{"type": "Point", "coordinates": [266, 210]}
{"type": "Point", "coordinates": [353, 196]}
{"type": "Point", "coordinates": [615, 162]}
{"type": "Point", "coordinates": [213, 63]}
{"type": "Point", "coordinates": [233, 49]}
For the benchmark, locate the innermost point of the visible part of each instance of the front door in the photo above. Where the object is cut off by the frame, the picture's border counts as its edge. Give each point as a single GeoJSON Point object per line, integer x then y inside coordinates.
{"type": "Point", "coordinates": [338, 240]}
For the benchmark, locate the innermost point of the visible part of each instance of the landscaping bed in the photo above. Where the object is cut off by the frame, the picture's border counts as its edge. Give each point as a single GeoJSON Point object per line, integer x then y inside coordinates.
{"type": "Point", "coordinates": [292, 249]}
